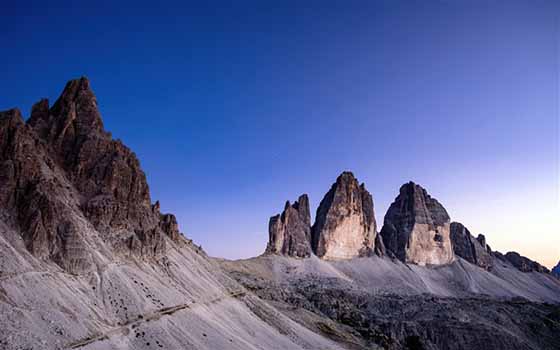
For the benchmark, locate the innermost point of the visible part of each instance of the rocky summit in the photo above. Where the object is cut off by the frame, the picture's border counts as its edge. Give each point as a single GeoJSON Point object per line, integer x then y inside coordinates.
{"type": "Point", "coordinates": [416, 228]}
{"type": "Point", "coordinates": [345, 224]}
{"type": "Point", "coordinates": [62, 167]}
{"type": "Point", "coordinates": [290, 232]}
{"type": "Point", "coordinates": [88, 261]}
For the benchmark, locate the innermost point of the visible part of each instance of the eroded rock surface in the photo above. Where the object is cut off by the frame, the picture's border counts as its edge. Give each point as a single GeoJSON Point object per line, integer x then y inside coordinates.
{"type": "Point", "coordinates": [474, 250]}
{"type": "Point", "coordinates": [290, 232]}
{"type": "Point", "coordinates": [416, 228]}
{"type": "Point", "coordinates": [345, 224]}
{"type": "Point", "coordinates": [62, 175]}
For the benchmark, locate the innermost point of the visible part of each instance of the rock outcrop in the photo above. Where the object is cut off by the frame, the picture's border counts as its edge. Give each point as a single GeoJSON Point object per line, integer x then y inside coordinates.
{"type": "Point", "coordinates": [416, 228]}
{"type": "Point", "coordinates": [523, 263]}
{"type": "Point", "coordinates": [556, 270]}
{"type": "Point", "coordinates": [474, 250]}
{"type": "Point", "coordinates": [290, 232]}
{"type": "Point", "coordinates": [345, 223]}
{"type": "Point", "coordinates": [62, 175]}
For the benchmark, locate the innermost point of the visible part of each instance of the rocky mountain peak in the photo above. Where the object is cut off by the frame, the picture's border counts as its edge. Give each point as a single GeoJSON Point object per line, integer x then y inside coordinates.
{"type": "Point", "coordinates": [290, 231]}
{"type": "Point", "coordinates": [345, 224]}
{"type": "Point", "coordinates": [64, 176]}
{"type": "Point", "coordinates": [73, 116]}
{"type": "Point", "coordinates": [416, 228]}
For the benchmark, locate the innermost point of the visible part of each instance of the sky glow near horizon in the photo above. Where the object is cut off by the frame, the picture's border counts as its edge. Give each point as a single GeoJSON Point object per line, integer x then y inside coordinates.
{"type": "Point", "coordinates": [234, 108]}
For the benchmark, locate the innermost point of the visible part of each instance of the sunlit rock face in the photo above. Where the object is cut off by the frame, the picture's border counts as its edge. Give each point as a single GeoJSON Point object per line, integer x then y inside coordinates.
{"type": "Point", "coordinates": [474, 250]}
{"type": "Point", "coordinates": [290, 232]}
{"type": "Point", "coordinates": [416, 228]}
{"type": "Point", "coordinates": [345, 223]}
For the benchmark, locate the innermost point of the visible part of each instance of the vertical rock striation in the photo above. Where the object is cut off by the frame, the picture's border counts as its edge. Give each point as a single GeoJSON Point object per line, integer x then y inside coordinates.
{"type": "Point", "coordinates": [290, 232]}
{"type": "Point", "coordinates": [416, 228]}
{"type": "Point", "coordinates": [467, 247]}
{"type": "Point", "coordinates": [345, 223]}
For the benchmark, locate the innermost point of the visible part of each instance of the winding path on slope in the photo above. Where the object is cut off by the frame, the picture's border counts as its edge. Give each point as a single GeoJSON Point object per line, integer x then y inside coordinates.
{"type": "Point", "coordinates": [147, 317]}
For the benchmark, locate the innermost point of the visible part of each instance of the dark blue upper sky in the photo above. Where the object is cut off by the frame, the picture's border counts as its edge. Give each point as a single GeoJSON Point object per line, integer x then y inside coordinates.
{"type": "Point", "coordinates": [235, 107]}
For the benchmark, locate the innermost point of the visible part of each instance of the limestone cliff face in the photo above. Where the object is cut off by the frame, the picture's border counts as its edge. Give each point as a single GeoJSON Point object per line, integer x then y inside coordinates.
{"type": "Point", "coordinates": [416, 228]}
{"type": "Point", "coordinates": [290, 232]}
{"type": "Point", "coordinates": [345, 223]}
{"type": "Point", "coordinates": [474, 250]}
{"type": "Point", "coordinates": [62, 175]}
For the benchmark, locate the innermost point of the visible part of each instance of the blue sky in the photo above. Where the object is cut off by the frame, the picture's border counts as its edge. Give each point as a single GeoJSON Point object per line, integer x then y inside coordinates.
{"type": "Point", "coordinates": [235, 107]}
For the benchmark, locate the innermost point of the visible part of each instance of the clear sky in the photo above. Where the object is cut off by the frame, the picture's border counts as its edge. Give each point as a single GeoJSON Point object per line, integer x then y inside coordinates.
{"type": "Point", "coordinates": [235, 107]}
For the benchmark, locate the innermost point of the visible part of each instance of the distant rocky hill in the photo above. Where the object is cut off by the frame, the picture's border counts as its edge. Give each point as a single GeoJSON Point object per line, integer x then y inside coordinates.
{"type": "Point", "coordinates": [88, 261]}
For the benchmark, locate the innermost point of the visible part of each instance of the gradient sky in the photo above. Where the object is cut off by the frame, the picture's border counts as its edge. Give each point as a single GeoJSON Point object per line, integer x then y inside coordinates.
{"type": "Point", "coordinates": [235, 107]}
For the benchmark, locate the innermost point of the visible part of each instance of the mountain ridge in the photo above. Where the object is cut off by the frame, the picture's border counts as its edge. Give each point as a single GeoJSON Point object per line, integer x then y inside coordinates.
{"type": "Point", "coordinates": [88, 261]}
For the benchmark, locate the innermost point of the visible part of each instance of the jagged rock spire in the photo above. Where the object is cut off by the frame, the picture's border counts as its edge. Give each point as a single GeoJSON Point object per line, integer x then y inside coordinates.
{"type": "Point", "coordinates": [73, 116]}
{"type": "Point", "coordinates": [416, 228]}
{"type": "Point", "coordinates": [290, 232]}
{"type": "Point", "coordinates": [473, 250]}
{"type": "Point", "coordinates": [345, 224]}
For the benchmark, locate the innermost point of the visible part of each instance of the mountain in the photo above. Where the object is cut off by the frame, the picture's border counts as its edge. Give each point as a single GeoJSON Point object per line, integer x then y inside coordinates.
{"type": "Point", "coordinates": [88, 261]}
{"type": "Point", "coordinates": [345, 224]}
{"type": "Point", "coordinates": [290, 232]}
{"type": "Point", "coordinates": [416, 228]}
{"type": "Point", "coordinates": [435, 286]}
